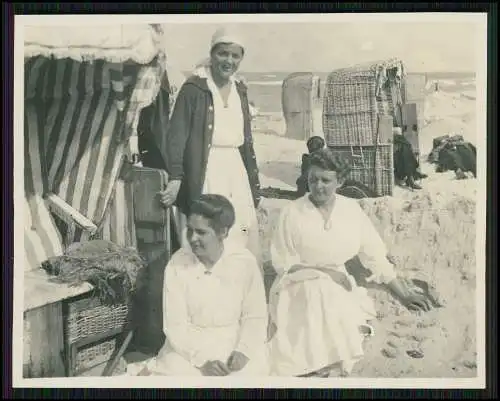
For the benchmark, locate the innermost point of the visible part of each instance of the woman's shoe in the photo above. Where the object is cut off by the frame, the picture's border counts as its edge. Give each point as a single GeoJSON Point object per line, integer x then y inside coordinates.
{"type": "Point", "coordinates": [410, 181]}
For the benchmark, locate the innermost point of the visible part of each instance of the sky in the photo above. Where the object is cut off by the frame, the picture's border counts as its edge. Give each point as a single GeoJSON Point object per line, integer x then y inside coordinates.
{"type": "Point", "coordinates": [325, 46]}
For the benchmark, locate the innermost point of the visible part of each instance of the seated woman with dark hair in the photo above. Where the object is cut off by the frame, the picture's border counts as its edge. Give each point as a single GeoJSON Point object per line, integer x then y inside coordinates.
{"type": "Point", "coordinates": [319, 313]}
{"type": "Point", "coordinates": [214, 304]}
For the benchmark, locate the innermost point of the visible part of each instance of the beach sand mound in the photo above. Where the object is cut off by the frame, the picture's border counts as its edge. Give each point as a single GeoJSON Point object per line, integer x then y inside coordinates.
{"type": "Point", "coordinates": [430, 237]}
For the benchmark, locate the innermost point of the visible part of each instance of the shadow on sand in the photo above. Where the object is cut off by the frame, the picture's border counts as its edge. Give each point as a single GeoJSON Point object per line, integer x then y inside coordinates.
{"type": "Point", "coordinates": [286, 172]}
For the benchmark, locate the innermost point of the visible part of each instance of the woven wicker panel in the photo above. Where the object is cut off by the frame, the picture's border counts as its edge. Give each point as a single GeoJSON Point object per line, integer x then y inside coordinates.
{"type": "Point", "coordinates": [87, 317]}
{"type": "Point", "coordinates": [350, 129]}
{"type": "Point", "coordinates": [364, 72]}
{"type": "Point", "coordinates": [94, 355]}
{"type": "Point", "coordinates": [347, 98]}
{"type": "Point", "coordinates": [350, 111]}
{"type": "Point", "coordinates": [370, 166]}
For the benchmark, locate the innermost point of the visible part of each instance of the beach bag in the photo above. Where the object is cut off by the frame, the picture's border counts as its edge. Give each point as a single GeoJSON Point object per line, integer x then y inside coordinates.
{"type": "Point", "coordinates": [456, 156]}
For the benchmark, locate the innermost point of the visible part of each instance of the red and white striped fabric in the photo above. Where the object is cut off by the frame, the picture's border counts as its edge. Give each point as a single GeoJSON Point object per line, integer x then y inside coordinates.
{"type": "Point", "coordinates": [78, 118]}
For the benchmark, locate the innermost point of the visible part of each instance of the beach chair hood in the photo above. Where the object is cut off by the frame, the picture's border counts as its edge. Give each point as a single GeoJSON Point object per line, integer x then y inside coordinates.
{"type": "Point", "coordinates": [84, 90]}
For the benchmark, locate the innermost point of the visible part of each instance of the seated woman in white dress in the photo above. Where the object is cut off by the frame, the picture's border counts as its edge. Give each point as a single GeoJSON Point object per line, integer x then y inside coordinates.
{"type": "Point", "coordinates": [319, 313]}
{"type": "Point", "coordinates": [214, 304]}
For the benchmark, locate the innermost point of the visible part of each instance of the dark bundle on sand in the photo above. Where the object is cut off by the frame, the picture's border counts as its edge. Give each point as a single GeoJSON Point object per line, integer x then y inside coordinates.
{"type": "Point", "coordinates": [112, 270]}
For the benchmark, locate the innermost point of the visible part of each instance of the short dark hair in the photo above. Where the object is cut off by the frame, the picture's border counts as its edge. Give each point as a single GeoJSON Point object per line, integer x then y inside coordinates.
{"type": "Point", "coordinates": [315, 143]}
{"type": "Point", "coordinates": [326, 159]}
{"type": "Point", "coordinates": [217, 209]}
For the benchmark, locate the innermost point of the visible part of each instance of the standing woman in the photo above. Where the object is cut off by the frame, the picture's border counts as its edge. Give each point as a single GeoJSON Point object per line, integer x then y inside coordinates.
{"type": "Point", "coordinates": [210, 145]}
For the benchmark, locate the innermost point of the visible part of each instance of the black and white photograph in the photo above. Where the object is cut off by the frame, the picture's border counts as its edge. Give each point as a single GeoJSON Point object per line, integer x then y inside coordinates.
{"type": "Point", "coordinates": [261, 200]}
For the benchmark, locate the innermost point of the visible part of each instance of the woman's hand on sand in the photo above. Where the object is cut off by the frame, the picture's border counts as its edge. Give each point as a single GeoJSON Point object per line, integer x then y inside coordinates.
{"type": "Point", "coordinates": [237, 361]}
{"type": "Point", "coordinates": [417, 302]}
{"type": "Point", "coordinates": [214, 368]}
{"type": "Point", "coordinates": [411, 298]}
{"type": "Point", "coordinates": [169, 195]}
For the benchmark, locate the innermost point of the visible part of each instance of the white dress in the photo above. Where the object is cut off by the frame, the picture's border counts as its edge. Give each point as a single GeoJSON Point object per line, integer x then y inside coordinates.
{"type": "Point", "coordinates": [226, 174]}
{"type": "Point", "coordinates": [209, 314]}
{"type": "Point", "coordinates": [317, 319]}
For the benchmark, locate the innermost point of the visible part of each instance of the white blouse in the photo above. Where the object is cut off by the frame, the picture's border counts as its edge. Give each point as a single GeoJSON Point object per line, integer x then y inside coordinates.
{"type": "Point", "coordinates": [303, 237]}
{"type": "Point", "coordinates": [209, 314]}
{"type": "Point", "coordinates": [228, 118]}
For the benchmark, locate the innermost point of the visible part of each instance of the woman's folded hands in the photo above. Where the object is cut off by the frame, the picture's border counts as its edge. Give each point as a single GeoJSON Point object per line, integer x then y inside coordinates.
{"type": "Point", "coordinates": [215, 368]}
{"type": "Point", "coordinates": [236, 361]}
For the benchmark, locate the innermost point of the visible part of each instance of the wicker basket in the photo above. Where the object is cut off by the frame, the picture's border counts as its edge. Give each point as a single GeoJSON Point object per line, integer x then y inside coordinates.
{"type": "Point", "coordinates": [96, 354]}
{"type": "Point", "coordinates": [86, 317]}
{"type": "Point", "coordinates": [353, 100]}
{"type": "Point", "coordinates": [372, 166]}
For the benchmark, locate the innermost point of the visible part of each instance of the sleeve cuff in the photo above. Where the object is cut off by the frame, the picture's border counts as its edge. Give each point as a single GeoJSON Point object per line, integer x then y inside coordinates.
{"type": "Point", "coordinates": [175, 173]}
{"type": "Point", "coordinates": [383, 278]}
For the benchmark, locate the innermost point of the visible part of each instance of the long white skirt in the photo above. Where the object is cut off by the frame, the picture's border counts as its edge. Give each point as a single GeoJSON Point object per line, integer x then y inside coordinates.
{"type": "Point", "coordinates": [216, 343]}
{"type": "Point", "coordinates": [318, 323]}
{"type": "Point", "coordinates": [226, 175]}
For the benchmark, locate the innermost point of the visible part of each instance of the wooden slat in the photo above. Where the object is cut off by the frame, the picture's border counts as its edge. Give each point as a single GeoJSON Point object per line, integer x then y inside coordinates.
{"type": "Point", "coordinates": [147, 183]}
{"type": "Point", "coordinates": [411, 125]}
{"type": "Point", "coordinates": [69, 214]}
{"type": "Point", "coordinates": [45, 354]}
{"type": "Point", "coordinates": [385, 124]}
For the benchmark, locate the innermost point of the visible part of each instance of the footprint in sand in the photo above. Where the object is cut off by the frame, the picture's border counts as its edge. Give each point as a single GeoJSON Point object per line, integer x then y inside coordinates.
{"type": "Point", "coordinates": [396, 334]}
{"type": "Point", "coordinates": [416, 337]}
{"type": "Point", "coordinates": [415, 353]}
{"type": "Point", "coordinates": [403, 323]}
{"type": "Point", "coordinates": [426, 323]}
{"type": "Point", "coordinates": [390, 352]}
{"type": "Point", "coordinates": [393, 345]}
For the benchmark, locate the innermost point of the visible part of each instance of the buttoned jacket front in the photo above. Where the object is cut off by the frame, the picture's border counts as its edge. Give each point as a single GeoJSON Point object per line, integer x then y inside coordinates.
{"type": "Point", "coordinates": [189, 140]}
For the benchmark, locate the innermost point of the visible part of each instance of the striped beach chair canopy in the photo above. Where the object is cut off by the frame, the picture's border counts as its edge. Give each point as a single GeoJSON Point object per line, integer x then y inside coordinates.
{"type": "Point", "coordinates": [84, 89]}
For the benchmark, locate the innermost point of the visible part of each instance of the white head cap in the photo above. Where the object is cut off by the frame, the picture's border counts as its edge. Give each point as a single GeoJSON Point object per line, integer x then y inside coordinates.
{"type": "Point", "coordinates": [225, 35]}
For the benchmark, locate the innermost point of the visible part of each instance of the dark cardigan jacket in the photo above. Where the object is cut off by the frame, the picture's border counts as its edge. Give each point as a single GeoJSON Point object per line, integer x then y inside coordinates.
{"type": "Point", "coordinates": [189, 140]}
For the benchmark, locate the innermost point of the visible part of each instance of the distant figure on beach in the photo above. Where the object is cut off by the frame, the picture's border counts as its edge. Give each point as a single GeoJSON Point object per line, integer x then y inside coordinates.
{"type": "Point", "coordinates": [209, 142]}
{"type": "Point", "coordinates": [214, 304]}
{"type": "Point", "coordinates": [406, 165]}
{"type": "Point", "coordinates": [319, 313]}
{"type": "Point", "coordinates": [313, 144]}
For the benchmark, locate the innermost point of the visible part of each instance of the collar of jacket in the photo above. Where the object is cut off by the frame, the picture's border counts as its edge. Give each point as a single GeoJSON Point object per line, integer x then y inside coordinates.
{"type": "Point", "coordinates": [201, 82]}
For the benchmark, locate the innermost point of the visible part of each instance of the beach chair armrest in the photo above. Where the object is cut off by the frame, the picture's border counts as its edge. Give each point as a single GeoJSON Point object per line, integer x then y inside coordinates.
{"type": "Point", "coordinates": [68, 214]}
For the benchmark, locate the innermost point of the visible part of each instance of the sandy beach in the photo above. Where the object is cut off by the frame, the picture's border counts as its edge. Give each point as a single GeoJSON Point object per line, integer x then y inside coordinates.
{"type": "Point", "coordinates": [431, 235]}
